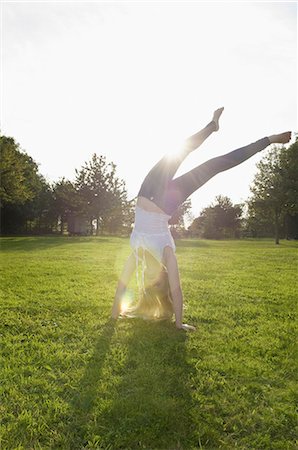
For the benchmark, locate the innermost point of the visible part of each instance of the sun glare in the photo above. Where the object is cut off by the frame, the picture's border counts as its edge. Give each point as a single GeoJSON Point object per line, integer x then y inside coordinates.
{"type": "Point", "coordinates": [176, 150]}
{"type": "Point", "coordinates": [126, 302]}
{"type": "Point", "coordinates": [154, 91]}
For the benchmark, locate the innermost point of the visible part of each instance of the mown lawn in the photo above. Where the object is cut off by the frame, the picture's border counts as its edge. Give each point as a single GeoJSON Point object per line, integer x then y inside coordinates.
{"type": "Point", "coordinates": [72, 379]}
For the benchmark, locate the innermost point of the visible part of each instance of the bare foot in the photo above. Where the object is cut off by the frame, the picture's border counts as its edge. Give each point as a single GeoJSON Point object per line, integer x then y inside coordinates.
{"type": "Point", "coordinates": [281, 138]}
{"type": "Point", "coordinates": [216, 115]}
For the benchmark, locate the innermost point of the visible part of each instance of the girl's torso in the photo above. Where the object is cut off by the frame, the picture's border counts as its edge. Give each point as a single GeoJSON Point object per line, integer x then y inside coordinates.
{"type": "Point", "coordinates": [148, 205]}
{"type": "Point", "coordinates": [151, 229]}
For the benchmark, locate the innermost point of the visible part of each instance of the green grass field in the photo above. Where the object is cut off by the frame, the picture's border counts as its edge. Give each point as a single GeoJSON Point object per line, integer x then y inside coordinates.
{"type": "Point", "coordinates": [72, 379]}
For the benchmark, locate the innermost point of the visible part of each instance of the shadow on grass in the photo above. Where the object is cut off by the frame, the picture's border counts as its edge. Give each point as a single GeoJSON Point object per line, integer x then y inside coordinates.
{"type": "Point", "coordinates": [35, 243]}
{"type": "Point", "coordinates": [148, 407]}
{"type": "Point", "coordinates": [83, 402]}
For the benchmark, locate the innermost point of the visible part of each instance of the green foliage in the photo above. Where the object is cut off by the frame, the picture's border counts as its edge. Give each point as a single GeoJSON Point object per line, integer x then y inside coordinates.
{"type": "Point", "coordinates": [177, 221]}
{"type": "Point", "coordinates": [98, 186]}
{"type": "Point", "coordinates": [65, 201]}
{"type": "Point", "coordinates": [275, 191]}
{"type": "Point", "coordinates": [20, 181]}
{"type": "Point", "coordinates": [220, 220]}
{"type": "Point", "coordinates": [30, 204]}
{"type": "Point", "coordinates": [102, 194]}
{"type": "Point", "coordinates": [72, 379]}
{"type": "Point", "coordinates": [120, 218]}
{"type": "Point", "coordinates": [24, 193]}
{"type": "Point", "coordinates": [65, 197]}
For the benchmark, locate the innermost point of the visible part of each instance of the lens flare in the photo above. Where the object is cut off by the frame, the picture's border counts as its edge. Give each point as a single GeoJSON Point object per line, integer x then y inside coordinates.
{"type": "Point", "coordinates": [177, 149]}
{"type": "Point", "coordinates": [126, 302]}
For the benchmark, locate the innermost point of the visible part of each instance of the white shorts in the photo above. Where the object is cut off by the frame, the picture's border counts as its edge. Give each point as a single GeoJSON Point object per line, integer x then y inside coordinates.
{"type": "Point", "coordinates": [151, 232]}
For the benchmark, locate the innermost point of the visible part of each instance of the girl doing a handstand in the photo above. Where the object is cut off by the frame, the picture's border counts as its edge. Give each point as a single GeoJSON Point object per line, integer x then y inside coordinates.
{"type": "Point", "coordinates": [159, 197]}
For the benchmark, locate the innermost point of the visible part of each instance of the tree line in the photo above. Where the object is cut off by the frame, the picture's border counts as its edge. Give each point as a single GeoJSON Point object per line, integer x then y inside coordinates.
{"type": "Point", "coordinates": [271, 210]}
{"type": "Point", "coordinates": [96, 202]}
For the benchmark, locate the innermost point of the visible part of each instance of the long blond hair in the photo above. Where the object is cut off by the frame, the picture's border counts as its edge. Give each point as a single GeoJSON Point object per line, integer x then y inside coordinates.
{"type": "Point", "coordinates": [154, 297]}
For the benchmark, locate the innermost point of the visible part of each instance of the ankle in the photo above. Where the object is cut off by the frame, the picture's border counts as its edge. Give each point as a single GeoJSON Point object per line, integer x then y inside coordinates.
{"type": "Point", "coordinates": [272, 138]}
{"type": "Point", "coordinates": [212, 126]}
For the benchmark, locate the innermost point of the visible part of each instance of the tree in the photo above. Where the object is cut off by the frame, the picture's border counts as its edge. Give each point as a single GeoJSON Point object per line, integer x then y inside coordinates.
{"type": "Point", "coordinates": [120, 219]}
{"type": "Point", "coordinates": [21, 185]}
{"type": "Point", "coordinates": [289, 166]}
{"type": "Point", "coordinates": [38, 211]}
{"type": "Point", "coordinates": [19, 173]}
{"type": "Point", "coordinates": [220, 220]}
{"type": "Point", "coordinates": [65, 201]}
{"type": "Point", "coordinates": [100, 190]}
{"type": "Point", "coordinates": [30, 204]}
{"type": "Point", "coordinates": [275, 191]}
{"type": "Point", "coordinates": [177, 221]}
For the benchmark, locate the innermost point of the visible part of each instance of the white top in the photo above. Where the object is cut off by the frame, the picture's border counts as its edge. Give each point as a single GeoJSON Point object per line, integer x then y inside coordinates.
{"type": "Point", "coordinates": [151, 232]}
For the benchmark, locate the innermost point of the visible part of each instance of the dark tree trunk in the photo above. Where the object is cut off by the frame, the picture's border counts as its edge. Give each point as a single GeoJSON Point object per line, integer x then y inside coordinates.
{"type": "Point", "coordinates": [287, 227]}
{"type": "Point", "coordinates": [276, 225]}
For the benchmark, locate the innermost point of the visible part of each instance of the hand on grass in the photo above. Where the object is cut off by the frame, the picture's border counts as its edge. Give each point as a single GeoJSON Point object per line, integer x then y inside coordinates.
{"type": "Point", "coordinates": [187, 327]}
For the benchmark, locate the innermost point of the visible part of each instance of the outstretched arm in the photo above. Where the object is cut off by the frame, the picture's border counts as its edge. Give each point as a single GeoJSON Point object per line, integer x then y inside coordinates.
{"type": "Point", "coordinates": [128, 270]}
{"type": "Point", "coordinates": [197, 139]}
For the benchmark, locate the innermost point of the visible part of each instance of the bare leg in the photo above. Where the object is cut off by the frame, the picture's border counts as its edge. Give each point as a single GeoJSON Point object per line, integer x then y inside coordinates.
{"type": "Point", "coordinates": [155, 182]}
{"type": "Point", "coordinates": [197, 139]}
{"type": "Point", "coordinates": [128, 270]}
{"type": "Point", "coordinates": [182, 187]}
{"type": "Point", "coordinates": [175, 288]}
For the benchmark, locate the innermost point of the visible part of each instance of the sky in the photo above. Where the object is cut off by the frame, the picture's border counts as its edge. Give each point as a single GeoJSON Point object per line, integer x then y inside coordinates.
{"type": "Point", "coordinates": [132, 80]}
